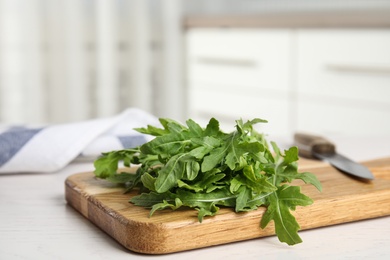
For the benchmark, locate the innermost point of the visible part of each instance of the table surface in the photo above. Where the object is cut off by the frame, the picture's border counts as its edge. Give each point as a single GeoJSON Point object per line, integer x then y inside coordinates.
{"type": "Point", "coordinates": [37, 223]}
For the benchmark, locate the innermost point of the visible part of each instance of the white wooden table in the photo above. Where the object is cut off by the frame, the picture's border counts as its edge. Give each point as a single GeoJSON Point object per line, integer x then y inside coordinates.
{"type": "Point", "coordinates": [37, 223]}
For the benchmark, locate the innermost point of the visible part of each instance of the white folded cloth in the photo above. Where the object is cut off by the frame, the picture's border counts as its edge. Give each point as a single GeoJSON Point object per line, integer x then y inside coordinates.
{"type": "Point", "coordinates": [52, 147]}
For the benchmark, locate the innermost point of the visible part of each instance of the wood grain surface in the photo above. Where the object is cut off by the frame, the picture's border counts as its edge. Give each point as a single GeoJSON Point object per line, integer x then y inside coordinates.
{"type": "Point", "coordinates": [343, 199]}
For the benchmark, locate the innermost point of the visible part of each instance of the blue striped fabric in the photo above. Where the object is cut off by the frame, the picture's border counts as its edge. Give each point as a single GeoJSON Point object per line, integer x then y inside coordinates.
{"type": "Point", "coordinates": [12, 140]}
{"type": "Point", "coordinates": [132, 141]}
{"type": "Point", "coordinates": [52, 147]}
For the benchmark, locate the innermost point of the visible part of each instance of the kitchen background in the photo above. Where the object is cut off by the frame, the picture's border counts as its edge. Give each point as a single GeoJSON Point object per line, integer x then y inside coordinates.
{"type": "Point", "coordinates": [319, 66]}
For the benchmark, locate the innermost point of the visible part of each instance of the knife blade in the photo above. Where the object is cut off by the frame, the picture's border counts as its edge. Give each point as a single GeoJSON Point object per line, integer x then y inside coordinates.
{"type": "Point", "coordinates": [317, 147]}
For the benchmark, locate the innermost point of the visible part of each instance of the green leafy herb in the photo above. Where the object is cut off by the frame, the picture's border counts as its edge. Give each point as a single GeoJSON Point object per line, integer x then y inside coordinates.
{"type": "Point", "coordinates": [205, 168]}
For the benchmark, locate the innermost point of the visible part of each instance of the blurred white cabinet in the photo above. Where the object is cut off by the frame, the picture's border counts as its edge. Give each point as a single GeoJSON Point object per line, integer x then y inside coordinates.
{"type": "Point", "coordinates": [235, 74]}
{"type": "Point", "coordinates": [343, 81]}
{"type": "Point", "coordinates": [318, 80]}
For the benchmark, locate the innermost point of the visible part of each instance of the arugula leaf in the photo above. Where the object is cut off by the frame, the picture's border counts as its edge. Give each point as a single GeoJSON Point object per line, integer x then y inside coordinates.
{"type": "Point", "coordinates": [194, 128]}
{"type": "Point", "coordinates": [147, 200]}
{"type": "Point", "coordinates": [205, 168]}
{"type": "Point", "coordinates": [170, 144]}
{"type": "Point", "coordinates": [286, 198]}
{"type": "Point", "coordinates": [148, 181]}
{"type": "Point", "coordinates": [165, 204]}
{"type": "Point", "coordinates": [244, 195]}
{"type": "Point", "coordinates": [214, 158]}
{"type": "Point", "coordinates": [122, 178]}
{"type": "Point", "coordinates": [107, 165]}
{"type": "Point", "coordinates": [192, 170]}
{"type": "Point", "coordinates": [169, 175]}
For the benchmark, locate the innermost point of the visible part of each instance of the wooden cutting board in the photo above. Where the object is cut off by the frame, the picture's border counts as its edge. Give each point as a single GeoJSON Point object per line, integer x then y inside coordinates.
{"type": "Point", "coordinates": [343, 199]}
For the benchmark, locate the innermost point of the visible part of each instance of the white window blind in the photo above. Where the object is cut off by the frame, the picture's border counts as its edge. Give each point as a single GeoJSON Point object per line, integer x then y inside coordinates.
{"type": "Point", "coordinates": [70, 60]}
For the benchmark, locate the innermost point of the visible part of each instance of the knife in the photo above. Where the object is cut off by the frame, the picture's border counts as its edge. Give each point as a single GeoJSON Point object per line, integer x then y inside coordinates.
{"type": "Point", "coordinates": [317, 147]}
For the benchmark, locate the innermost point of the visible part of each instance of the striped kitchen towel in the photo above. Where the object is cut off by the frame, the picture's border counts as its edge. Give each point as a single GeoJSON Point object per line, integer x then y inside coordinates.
{"type": "Point", "coordinates": [52, 147]}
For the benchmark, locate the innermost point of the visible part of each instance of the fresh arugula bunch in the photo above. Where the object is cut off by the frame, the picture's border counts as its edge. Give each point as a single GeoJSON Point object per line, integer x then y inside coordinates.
{"type": "Point", "coordinates": [206, 168]}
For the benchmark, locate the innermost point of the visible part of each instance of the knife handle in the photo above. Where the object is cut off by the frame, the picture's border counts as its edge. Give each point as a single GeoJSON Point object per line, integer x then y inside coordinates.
{"type": "Point", "coordinates": [309, 145]}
